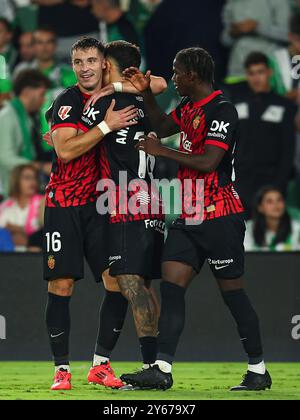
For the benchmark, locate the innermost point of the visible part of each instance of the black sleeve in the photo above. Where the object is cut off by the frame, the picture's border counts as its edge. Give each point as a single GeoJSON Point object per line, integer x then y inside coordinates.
{"type": "Point", "coordinates": [67, 110]}
{"type": "Point", "coordinates": [222, 126]}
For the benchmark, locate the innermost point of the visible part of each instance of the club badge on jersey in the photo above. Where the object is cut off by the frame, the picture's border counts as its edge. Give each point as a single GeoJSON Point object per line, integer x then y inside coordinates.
{"type": "Point", "coordinates": [64, 112]}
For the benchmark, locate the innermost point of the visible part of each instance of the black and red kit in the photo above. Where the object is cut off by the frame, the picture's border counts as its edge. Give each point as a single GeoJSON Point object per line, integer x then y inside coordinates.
{"type": "Point", "coordinates": [215, 232]}
{"type": "Point", "coordinates": [73, 228]}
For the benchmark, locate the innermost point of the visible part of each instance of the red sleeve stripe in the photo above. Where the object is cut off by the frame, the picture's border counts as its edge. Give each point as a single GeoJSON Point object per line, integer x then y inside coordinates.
{"type": "Point", "coordinates": [63, 125]}
{"type": "Point", "coordinates": [175, 118]}
{"type": "Point", "coordinates": [83, 127]}
{"type": "Point", "coordinates": [217, 144]}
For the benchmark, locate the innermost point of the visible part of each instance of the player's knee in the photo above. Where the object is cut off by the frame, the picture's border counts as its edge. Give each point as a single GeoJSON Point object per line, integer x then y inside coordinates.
{"type": "Point", "coordinates": [132, 287]}
{"type": "Point", "coordinates": [177, 273]}
{"type": "Point", "coordinates": [230, 285]}
{"type": "Point", "coordinates": [110, 283]}
{"type": "Point", "coordinates": [61, 287]}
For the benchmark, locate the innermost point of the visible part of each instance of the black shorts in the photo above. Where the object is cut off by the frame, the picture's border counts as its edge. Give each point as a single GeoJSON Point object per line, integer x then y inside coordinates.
{"type": "Point", "coordinates": [136, 248]}
{"type": "Point", "coordinates": [70, 234]}
{"type": "Point", "coordinates": [219, 241]}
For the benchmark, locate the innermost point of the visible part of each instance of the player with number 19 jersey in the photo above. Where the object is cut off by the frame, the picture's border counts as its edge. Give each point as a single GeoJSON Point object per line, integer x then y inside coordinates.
{"type": "Point", "coordinates": [136, 238]}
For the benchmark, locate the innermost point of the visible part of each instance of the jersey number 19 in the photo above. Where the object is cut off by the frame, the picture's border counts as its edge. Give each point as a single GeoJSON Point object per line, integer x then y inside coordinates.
{"type": "Point", "coordinates": [146, 162]}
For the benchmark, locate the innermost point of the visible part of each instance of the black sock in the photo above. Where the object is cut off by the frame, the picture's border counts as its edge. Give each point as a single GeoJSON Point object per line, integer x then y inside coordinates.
{"type": "Point", "coordinates": [58, 325]}
{"type": "Point", "coordinates": [148, 349]}
{"type": "Point", "coordinates": [247, 323]}
{"type": "Point", "coordinates": [172, 320]}
{"type": "Point", "coordinates": [112, 316]}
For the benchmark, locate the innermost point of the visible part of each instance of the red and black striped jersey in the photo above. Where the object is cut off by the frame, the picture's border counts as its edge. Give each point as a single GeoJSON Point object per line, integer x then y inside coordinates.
{"type": "Point", "coordinates": [73, 183]}
{"type": "Point", "coordinates": [211, 121]}
{"type": "Point", "coordinates": [134, 198]}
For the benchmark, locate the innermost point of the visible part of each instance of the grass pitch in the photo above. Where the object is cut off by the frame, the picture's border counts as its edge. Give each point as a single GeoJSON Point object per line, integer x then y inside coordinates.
{"type": "Point", "coordinates": [192, 381]}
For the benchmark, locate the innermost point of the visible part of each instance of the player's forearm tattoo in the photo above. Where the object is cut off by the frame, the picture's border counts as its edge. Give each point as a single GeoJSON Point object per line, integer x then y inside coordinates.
{"type": "Point", "coordinates": [143, 307]}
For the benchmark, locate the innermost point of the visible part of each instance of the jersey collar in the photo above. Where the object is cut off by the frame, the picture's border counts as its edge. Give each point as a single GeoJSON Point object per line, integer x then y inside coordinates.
{"type": "Point", "coordinates": [208, 98]}
{"type": "Point", "coordinates": [85, 95]}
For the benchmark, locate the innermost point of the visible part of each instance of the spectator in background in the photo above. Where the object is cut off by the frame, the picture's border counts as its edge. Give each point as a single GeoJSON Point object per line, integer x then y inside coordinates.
{"type": "Point", "coordinates": [60, 75]}
{"type": "Point", "coordinates": [289, 73]}
{"type": "Point", "coordinates": [26, 47]}
{"type": "Point", "coordinates": [35, 240]}
{"type": "Point", "coordinates": [19, 214]}
{"type": "Point", "coordinates": [70, 19]}
{"type": "Point", "coordinates": [253, 25]}
{"type": "Point", "coordinates": [6, 47]}
{"type": "Point", "coordinates": [113, 22]}
{"type": "Point", "coordinates": [10, 54]}
{"type": "Point", "coordinates": [283, 60]}
{"type": "Point", "coordinates": [265, 151]}
{"type": "Point", "coordinates": [16, 140]}
{"type": "Point", "coordinates": [272, 228]}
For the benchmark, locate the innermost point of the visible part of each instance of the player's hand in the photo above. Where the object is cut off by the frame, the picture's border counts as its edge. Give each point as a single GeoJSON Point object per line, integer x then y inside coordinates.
{"type": "Point", "coordinates": [14, 228]}
{"type": "Point", "coordinates": [138, 79]}
{"type": "Point", "coordinates": [48, 139]}
{"type": "Point", "coordinates": [150, 144]}
{"type": "Point", "coordinates": [106, 91]}
{"type": "Point", "coordinates": [120, 119]}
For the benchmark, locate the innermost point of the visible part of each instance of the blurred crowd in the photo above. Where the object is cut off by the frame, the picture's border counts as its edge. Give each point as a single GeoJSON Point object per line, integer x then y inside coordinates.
{"type": "Point", "coordinates": [256, 48]}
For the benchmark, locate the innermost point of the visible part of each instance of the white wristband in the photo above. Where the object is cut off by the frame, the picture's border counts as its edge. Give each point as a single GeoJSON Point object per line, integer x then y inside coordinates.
{"type": "Point", "coordinates": [153, 134]}
{"type": "Point", "coordinates": [118, 86]}
{"type": "Point", "coordinates": [104, 128]}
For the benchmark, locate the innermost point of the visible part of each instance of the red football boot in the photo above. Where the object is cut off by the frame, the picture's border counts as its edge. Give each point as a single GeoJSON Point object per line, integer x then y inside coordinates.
{"type": "Point", "coordinates": [104, 375]}
{"type": "Point", "coordinates": [62, 381]}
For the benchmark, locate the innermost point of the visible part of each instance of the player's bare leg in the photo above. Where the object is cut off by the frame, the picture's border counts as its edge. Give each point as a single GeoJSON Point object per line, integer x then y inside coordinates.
{"type": "Point", "coordinates": [144, 308]}
{"type": "Point", "coordinates": [176, 279]}
{"type": "Point", "coordinates": [58, 326]}
{"type": "Point", "coordinates": [237, 301]}
{"type": "Point", "coordinates": [112, 316]}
